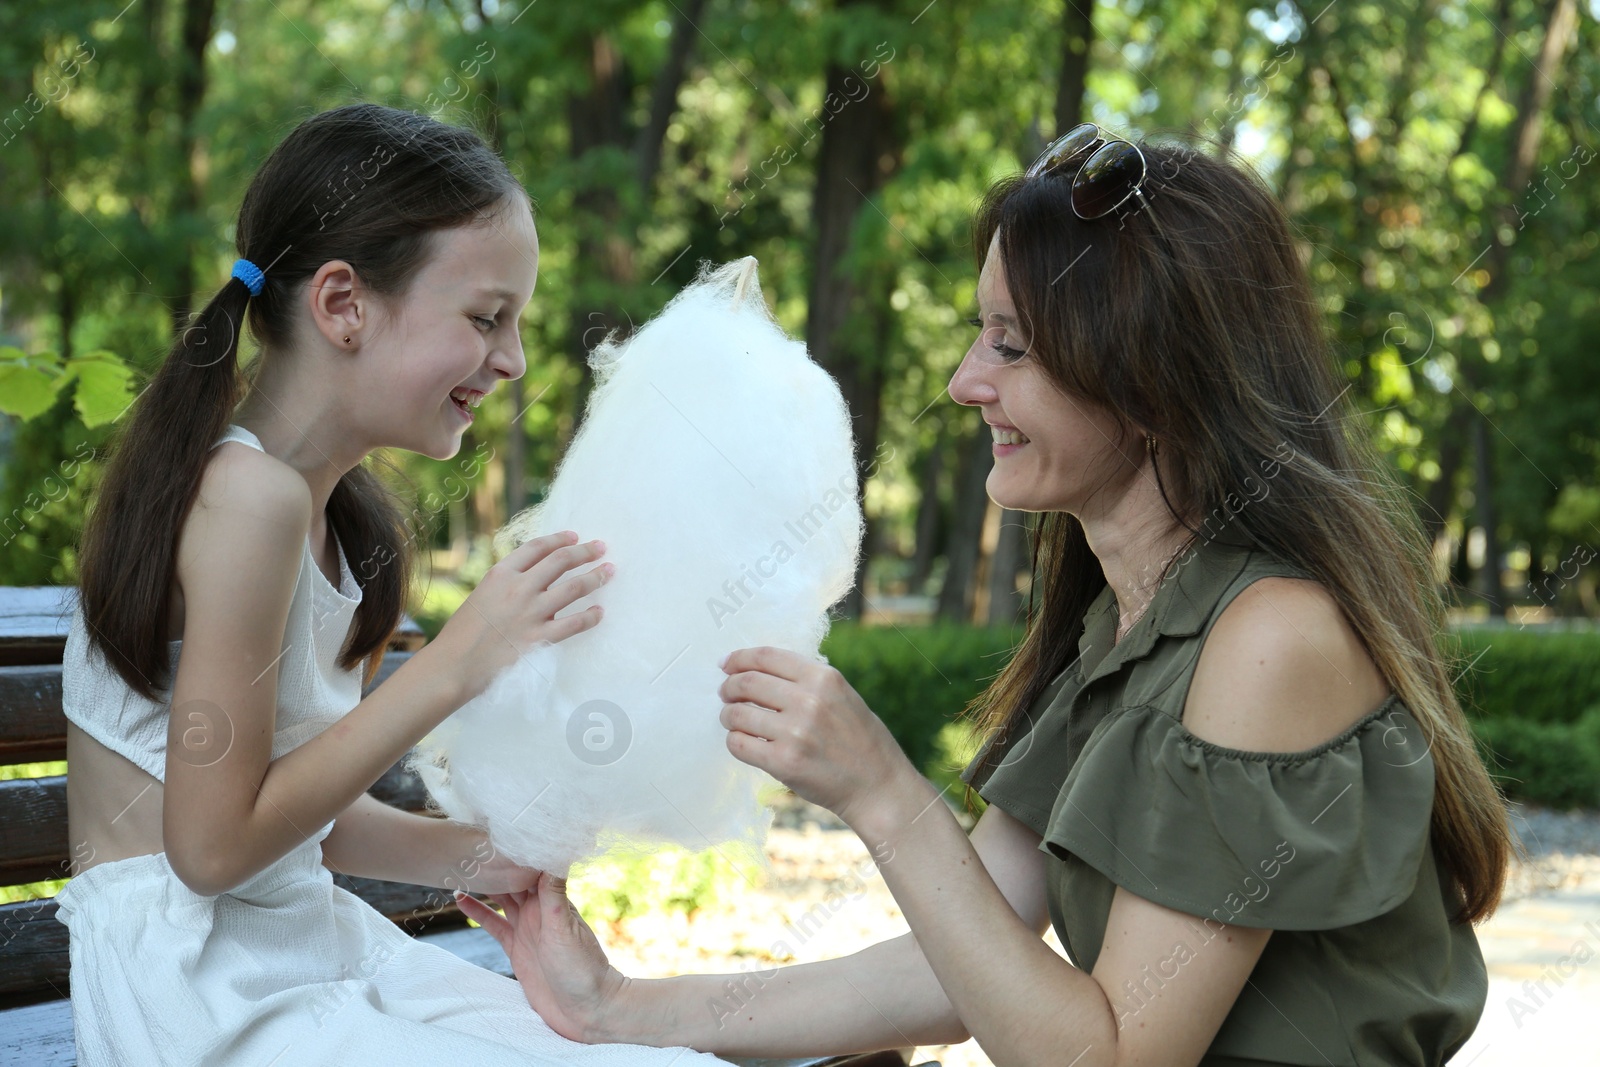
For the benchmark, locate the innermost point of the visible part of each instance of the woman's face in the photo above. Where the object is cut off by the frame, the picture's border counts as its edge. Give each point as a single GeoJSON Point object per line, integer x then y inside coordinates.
{"type": "Point", "coordinates": [456, 335]}
{"type": "Point", "coordinates": [1052, 452]}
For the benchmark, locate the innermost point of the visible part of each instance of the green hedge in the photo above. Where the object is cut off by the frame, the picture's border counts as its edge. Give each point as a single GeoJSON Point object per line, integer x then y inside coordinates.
{"type": "Point", "coordinates": [919, 678]}
{"type": "Point", "coordinates": [1527, 676]}
{"type": "Point", "coordinates": [1533, 698]}
{"type": "Point", "coordinates": [1551, 763]}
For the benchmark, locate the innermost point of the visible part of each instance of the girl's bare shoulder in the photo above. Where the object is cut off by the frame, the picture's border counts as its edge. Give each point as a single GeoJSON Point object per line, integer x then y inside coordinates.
{"type": "Point", "coordinates": [251, 510]}
{"type": "Point", "coordinates": [237, 474]}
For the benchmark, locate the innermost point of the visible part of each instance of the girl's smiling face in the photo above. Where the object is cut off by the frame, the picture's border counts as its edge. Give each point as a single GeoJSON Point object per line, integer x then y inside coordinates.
{"type": "Point", "coordinates": [454, 335]}
{"type": "Point", "coordinates": [1052, 451]}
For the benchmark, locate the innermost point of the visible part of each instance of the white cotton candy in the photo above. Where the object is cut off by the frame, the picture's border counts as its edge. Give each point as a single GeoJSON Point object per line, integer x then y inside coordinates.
{"type": "Point", "coordinates": [716, 463]}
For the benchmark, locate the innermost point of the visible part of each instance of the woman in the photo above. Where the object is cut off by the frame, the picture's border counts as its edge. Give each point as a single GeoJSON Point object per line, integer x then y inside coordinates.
{"type": "Point", "coordinates": [1226, 762]}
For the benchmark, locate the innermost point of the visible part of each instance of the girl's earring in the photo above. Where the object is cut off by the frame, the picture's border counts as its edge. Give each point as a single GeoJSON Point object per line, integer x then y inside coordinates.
{"type": "Point", "coordinates": [347, 340]}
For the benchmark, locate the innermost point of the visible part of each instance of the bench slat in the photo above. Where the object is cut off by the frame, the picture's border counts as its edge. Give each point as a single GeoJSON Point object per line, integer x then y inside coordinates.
{"type": "Point", "coordinates": [33, 830]}
{"type": "Point", "coordinates": [34, 840]}
{"type": "Point", "coordinates": [34, 947]}
{"type": "Point", "coordinates": [33, 812]}
{"type": "Point", "coordinates": [39, 1035]}
{"type": "Point", "coordinates": [33, 821]}
{"type": "Point", "coordinates": [34, 729]}
{"type": "Point", "coordinates": [35, 621]}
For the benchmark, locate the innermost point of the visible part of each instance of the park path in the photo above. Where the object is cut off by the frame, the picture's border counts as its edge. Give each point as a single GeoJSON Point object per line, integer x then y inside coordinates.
{"type": "Point", "coordinates": [1542, 949]}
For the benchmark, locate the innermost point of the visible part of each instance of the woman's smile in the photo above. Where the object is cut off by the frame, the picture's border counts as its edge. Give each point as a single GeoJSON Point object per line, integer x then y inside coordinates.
{"type": "Point", "coordinates": [1007, 439]}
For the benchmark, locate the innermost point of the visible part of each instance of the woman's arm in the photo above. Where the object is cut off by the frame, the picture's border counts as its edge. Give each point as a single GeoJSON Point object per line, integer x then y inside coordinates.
{"type": "Point", "coordinates": [802, 722]}
{"type": "Point", "coordinates": [370, 839]}
{"type": "Point", "coordinates": [1281, 671]}
{"type": "Point", "coordinates": [885, 996]}
{"type": "Point", "coordinates": [1023, 1002]}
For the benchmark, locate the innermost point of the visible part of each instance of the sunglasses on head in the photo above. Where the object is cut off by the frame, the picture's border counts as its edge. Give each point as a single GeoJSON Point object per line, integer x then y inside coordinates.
{"type": "Point", "coordinates": [1107, 172]}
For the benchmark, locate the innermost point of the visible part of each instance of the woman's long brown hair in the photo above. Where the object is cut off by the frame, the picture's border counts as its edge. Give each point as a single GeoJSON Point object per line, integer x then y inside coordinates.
{"type": "Point", "coordinates": [364, 183]}
{"type": "Point", "coordinates": [1199, 327]}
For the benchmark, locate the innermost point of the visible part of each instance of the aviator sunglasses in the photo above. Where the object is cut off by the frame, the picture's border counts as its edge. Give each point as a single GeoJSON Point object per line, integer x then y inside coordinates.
{"type": "Point", "coordinates": [1109, 172]}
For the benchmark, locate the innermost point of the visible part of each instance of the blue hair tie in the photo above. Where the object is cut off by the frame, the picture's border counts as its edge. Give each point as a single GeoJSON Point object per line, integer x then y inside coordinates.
{"type": "Point", "coordinates": [250, 274]}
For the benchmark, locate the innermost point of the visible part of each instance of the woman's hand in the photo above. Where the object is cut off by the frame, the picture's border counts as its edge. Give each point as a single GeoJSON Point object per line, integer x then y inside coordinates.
{"type": "Point", "coordinates": [513, 609]}
{"type": "Point", "coordinates": [557, 959]}
{"type": "Point", "coordinates": [802, 723]}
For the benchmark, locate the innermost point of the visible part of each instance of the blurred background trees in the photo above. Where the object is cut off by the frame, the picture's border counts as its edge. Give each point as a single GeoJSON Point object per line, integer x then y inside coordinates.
{"type": "Point", "coordinates": [1436, 156]}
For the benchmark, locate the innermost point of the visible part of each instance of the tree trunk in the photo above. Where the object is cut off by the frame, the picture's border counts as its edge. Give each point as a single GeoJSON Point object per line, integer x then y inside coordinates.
{"type": "Point", "coordinates": [516, 454]}
{"type": "Point", "coordinates": [1503, 31]}
{"type": "Point", "coordinates": [198, 17]}
{"type": "Point", "coordinates": [1526, 134]}
{"type": "Point", "coordinates": [976, 451]}
{"type": "Point", "coordinates": [146, 148]}
{"type": "Point", "coordinates": [1005, 604]}
{"type": "Point", "coordinates": [976, 456]}
{"type": "Point", "coordinates": [966, 525]}
{"type": "Point", "coordinates": [1525, 137]}
{"type": "Point", "coordinates": [1077, 40]}
{"type": "Point", "coordinates": [1483, 470]}
{"type": "Point", "coordinates": [1441, 494]}
{"type": "Point", "coordinates": [847, 317]}
{"type": "Point", "coordinates": [928, 513]}
{"type": "Point", "coordinates": [598, 118]}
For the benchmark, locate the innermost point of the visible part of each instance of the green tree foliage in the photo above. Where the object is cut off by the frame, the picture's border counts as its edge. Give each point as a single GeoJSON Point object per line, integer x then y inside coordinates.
{"type": "Point", "coordinates": [1436, 157]}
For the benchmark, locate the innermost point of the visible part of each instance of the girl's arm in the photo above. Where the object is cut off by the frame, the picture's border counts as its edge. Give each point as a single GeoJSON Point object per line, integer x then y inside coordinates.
{"type": "Point", "coordinates": [370, 839]}
{"type": "Point", "coordinates": [229, 809]}
{"type": "Point", "coordinates": [885, 996]}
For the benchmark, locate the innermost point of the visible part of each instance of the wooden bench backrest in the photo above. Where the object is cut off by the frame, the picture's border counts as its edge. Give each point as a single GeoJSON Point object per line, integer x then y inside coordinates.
{"type": "Point", "coordinates": [33, 811]}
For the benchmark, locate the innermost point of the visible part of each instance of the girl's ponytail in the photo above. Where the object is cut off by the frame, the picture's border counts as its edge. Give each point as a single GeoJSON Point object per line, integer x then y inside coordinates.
{"type": "Point", "coordinates": [128, 554]}
{"type": "Point", "coordinates": [364, 183]}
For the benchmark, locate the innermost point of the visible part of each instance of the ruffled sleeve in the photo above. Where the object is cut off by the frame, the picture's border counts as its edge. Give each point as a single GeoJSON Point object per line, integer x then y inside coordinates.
{"type": "Point", "coordinates": [1309, 840]}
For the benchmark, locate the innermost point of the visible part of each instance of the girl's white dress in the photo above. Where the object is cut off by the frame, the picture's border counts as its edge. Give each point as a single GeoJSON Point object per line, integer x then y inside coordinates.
{"type": "Point", "coordinates": [287, 969]}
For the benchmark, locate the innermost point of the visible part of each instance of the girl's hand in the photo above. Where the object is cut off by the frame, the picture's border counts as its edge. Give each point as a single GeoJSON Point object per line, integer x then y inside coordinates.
{"type": "Point", "coordinates": [557, 959]}
{"type": "Point", "coordinates": [497, 874]}
{"type": "Point", "coordinates": [802, 723]}
{"type": "Point", "coordinates": [513, 608]}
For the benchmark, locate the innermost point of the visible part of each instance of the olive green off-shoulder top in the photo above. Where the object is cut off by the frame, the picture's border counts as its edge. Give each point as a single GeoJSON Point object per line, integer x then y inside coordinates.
{"type": "Point", "coordinates": [1328, 847]}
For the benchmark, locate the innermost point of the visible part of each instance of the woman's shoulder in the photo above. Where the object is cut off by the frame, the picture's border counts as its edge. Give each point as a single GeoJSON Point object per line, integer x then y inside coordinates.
{"type": "Point", "coordinates": [1281, 669]}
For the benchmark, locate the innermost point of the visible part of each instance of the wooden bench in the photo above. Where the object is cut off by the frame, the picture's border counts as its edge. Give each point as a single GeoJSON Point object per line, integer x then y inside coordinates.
{"type": "Point", "coordinates": [35, 1012]}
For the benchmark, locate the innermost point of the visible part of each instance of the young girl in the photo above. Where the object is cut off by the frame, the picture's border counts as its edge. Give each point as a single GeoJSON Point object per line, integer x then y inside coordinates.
{"type": "Point", "coordinates": [1226, 763]}
{"type": "Point", "coordinates": [241, 574]}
